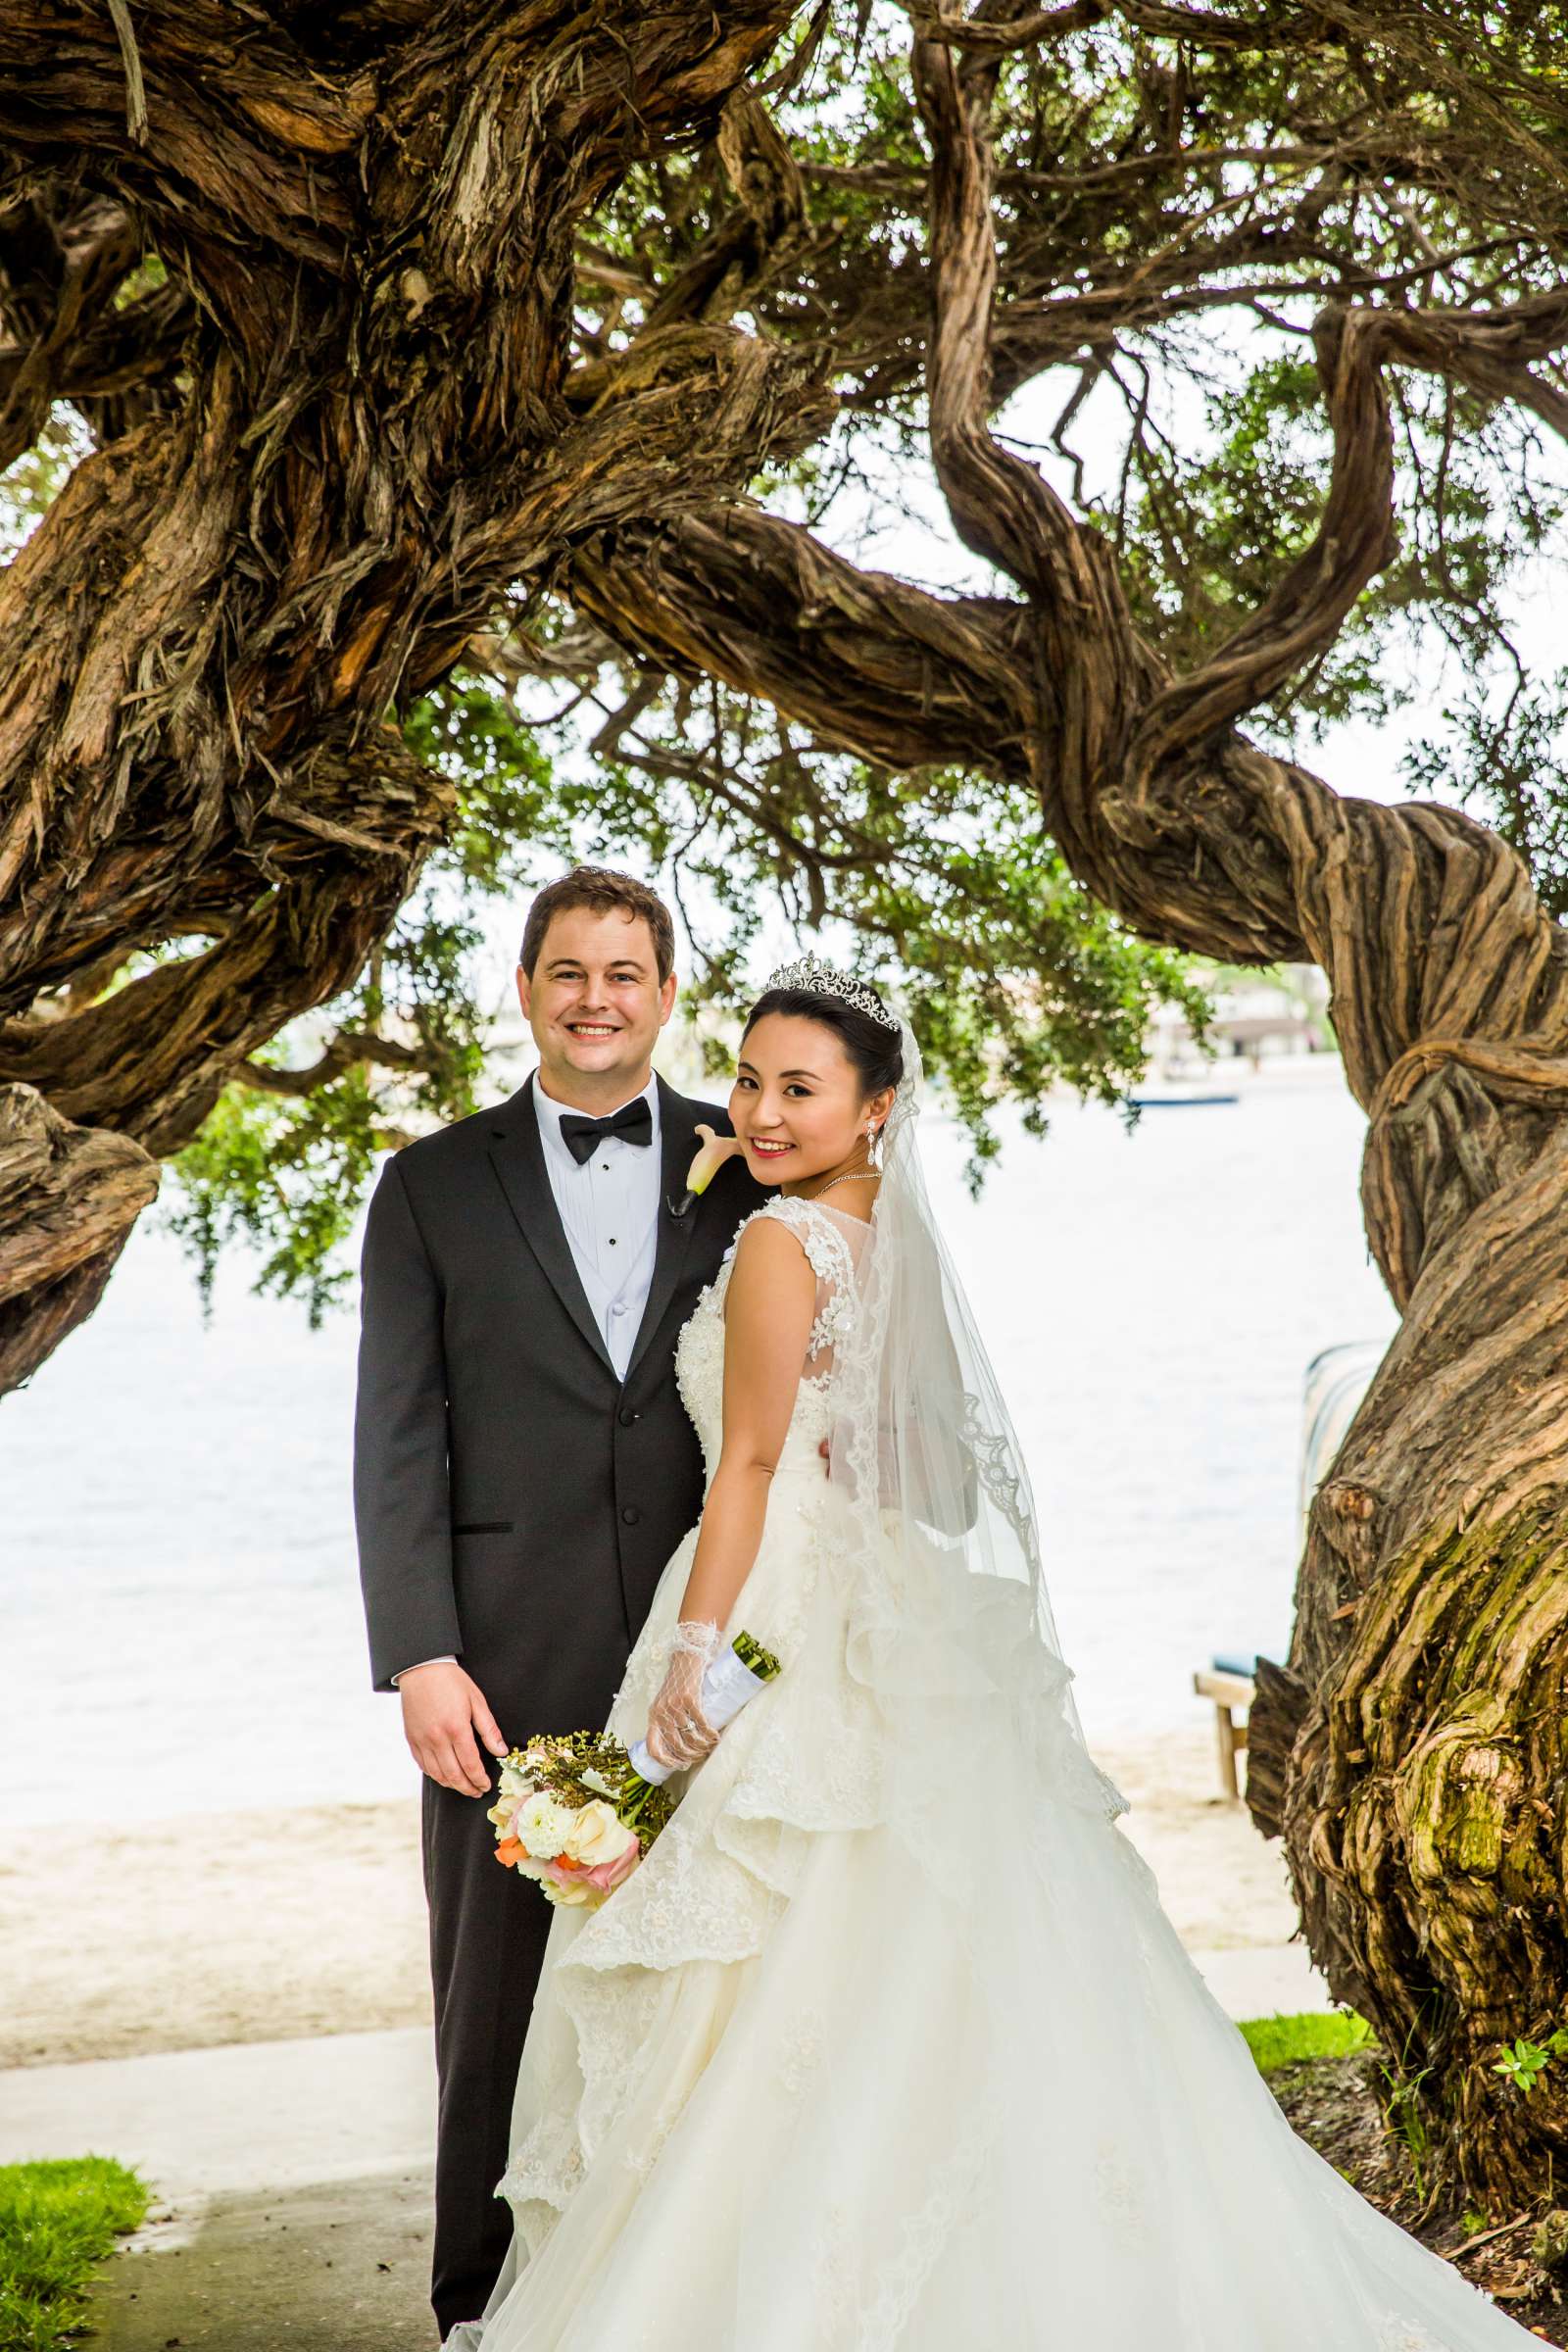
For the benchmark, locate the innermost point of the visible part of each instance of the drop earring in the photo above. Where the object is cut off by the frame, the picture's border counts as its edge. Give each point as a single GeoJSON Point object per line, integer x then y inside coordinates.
{"type": "Point", "coordinates": [873, 1144]}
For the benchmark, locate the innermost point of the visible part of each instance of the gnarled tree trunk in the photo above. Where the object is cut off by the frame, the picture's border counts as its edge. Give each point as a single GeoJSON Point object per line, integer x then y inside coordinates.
{"type": "Point", "coordinates": [350, 426]}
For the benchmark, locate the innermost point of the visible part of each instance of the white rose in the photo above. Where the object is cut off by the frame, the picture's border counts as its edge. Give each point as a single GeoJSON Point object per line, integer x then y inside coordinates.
{"type": "Point", "coordinates": [598, 1834]}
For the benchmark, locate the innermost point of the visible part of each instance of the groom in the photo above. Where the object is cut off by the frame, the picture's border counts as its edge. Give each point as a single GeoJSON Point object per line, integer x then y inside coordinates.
{"type": "Point", "coordinates": [523, 1465]}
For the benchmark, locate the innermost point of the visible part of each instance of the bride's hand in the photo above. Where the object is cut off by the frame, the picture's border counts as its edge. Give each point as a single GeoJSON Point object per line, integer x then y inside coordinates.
{"type": "Point", "coordinates": [679, 1734]}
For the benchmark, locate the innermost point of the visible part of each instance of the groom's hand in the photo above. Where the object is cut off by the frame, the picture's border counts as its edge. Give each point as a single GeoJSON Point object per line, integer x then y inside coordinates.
{"type": "Point", "coordinates": [442, 1709]}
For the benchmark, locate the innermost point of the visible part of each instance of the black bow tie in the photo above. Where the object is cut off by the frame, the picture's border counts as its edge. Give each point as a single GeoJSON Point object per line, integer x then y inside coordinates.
{"type": "Point", "coordinates": [633, 1122]}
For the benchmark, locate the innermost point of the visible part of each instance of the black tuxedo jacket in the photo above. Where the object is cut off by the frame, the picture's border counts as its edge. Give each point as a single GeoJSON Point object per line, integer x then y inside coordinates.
{"type": "Point", "coordinates": [516, 1503]}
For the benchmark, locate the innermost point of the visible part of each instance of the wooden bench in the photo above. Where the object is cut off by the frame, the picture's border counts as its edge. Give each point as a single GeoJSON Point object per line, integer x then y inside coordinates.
{"type": "Point", "coordinates": [1228, 1683]}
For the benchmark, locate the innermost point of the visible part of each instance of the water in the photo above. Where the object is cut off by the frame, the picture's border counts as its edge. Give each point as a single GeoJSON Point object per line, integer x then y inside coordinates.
{"type": "Point", "coordinates": [180, 1611]}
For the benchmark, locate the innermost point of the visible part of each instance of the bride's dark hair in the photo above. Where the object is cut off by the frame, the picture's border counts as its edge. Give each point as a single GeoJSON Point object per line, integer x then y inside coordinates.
{"type": "Point", "coordinates": [874, 1049]}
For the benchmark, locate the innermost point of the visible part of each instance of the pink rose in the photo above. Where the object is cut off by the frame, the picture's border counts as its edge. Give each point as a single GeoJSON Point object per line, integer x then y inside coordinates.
{"type": "Point", "coordinates": [569, 1886]}
{"type": "Point", "coordinates": [606, 1875]}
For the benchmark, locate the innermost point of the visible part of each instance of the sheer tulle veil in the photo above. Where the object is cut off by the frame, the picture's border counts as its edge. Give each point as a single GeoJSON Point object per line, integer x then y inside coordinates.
{"type": "Point", "coordinates": [950, 1621]}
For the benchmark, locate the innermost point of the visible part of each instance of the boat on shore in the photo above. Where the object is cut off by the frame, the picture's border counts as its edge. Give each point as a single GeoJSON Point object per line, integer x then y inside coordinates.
{"type": "Point", "coordinates": [1182, 1101]}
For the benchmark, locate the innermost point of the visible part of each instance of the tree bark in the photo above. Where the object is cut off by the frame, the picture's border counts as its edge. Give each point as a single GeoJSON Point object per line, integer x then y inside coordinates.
{"type": "Point", "coordinates": [378, 437]}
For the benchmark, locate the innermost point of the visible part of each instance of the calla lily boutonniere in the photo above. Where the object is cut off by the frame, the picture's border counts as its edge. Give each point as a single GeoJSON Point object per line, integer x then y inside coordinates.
{"type": "Point", "coordinates": [711, 1154]}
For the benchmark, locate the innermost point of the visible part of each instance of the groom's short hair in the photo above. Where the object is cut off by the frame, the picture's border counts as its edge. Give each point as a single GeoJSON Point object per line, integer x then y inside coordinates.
{"type": "Point", "coordinates": [601, 888]}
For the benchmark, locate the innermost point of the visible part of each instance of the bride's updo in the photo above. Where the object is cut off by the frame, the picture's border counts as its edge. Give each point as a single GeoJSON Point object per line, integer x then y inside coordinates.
{"type": "Point", "coordinates": [872, 1046]}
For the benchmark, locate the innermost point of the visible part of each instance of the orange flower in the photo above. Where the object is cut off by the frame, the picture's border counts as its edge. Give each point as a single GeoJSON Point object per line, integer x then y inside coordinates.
{"type": "Point", "coordinates": [510, 1850]}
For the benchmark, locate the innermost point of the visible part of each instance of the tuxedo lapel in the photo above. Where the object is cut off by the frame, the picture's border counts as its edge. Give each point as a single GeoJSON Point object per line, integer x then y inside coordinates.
{"type": "Point", "coordinates": [677, 1144]}
{"type": "Point", "coordinates": [518, 1157]}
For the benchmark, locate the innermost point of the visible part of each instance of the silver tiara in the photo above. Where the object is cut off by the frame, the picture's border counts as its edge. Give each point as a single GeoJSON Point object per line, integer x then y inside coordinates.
{"type": "Point", "coordinates": [821, 980]}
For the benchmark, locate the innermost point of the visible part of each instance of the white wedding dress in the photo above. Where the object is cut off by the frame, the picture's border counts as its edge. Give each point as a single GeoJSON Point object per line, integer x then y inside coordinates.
{"type": "Point", "coordinates": [888, 2045]}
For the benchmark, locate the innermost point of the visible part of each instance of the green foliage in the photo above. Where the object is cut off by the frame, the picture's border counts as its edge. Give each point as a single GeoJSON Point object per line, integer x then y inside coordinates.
{"type": "Point", "coordinates": [506, 784]}
{"type": "Point", "coordinates": [284, 1178]}
{"type": "Point", "coordinates": [28, 487]}
{"type": "Point", "coordinates": [1404, 2109]}
{"type": "Point", "coordinates": [1525, 2062]}
{"type": "Point", "coordinates": [285, 1173]}
{"type": "Point", "coordinates": [58, 2219]}
{"type": "Point", "coordinates": [1503, 745]}
{"type": "Point", "coordinates": [1277, 2041]}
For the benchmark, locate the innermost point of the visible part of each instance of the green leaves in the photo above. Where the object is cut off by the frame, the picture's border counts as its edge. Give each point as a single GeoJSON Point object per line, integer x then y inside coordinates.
{"type": "Point", "coordinates": [1525, 2062]}
{"type": "Point", "coordinates": [282, 1168]}
{"type": "Point", "coordinates": [286, 1179]}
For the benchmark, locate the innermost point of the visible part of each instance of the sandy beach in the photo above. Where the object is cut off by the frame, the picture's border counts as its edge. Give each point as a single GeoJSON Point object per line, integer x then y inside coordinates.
{"type": "Point", "coordinates": [186, 1932]}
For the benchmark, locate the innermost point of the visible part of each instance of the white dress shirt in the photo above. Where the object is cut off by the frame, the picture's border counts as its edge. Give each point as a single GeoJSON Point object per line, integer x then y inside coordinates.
{"type": "Point", "coordinates": [610, 1209]}
{"type": "Point", "coordinates": [609, 1205]}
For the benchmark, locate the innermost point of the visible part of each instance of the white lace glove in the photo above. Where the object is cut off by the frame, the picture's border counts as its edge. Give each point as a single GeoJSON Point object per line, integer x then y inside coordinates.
{"type": "Point", "coordinates": [679, 1734]}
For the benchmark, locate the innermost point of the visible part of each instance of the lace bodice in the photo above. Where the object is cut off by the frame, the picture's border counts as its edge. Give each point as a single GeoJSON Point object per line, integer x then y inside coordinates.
{"type": "Point", "coordinates": [836, 1243]}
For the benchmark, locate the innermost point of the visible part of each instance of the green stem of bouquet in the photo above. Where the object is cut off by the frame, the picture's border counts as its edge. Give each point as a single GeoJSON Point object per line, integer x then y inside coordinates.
{"type": "Point", "coordinates": [633, 1798]}
{"type": "Point", "coordinates": [757, 1660]}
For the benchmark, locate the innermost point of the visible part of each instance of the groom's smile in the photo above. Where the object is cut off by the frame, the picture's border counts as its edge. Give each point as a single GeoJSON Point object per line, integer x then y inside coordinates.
{"type": "Point", "coordinates": [596, 1003]}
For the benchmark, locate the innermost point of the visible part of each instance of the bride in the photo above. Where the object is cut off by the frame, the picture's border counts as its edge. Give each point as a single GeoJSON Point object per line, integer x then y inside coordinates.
{"type": "Point", "coordinates": [888, 2046]}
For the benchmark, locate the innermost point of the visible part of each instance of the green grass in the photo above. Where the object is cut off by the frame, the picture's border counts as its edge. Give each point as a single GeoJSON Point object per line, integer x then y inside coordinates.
{"type": "Point", "coordinates": [1284, 2040]}
{"type": "Point", "coordinates": [58, 2220]}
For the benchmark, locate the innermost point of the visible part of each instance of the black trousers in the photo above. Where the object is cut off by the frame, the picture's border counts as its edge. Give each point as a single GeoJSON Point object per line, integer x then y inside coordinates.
{"type": "Point", "coordinates": [487, 1945]}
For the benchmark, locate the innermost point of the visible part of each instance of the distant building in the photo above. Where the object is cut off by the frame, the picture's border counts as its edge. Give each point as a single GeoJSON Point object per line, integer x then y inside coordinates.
{"type": "Point", "coordinates": [1282, 1011]}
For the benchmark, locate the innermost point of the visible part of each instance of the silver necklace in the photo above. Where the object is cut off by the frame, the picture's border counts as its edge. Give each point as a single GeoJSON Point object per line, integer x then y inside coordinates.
{"type": "Point", "coordinates": [851, 1176]}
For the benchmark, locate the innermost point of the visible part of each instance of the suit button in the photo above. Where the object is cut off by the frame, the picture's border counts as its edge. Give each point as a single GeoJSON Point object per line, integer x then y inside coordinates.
{"type": "Point", "coordinates": [626, 1417]}
{"type": "Point", "coordinates": [631, 1514]}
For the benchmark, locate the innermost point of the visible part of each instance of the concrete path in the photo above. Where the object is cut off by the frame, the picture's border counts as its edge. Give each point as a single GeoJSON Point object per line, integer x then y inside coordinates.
{"type": "Point", "coordinates": [255, 2115]}
{"type": "Point", "coordinates": [339, 2268]}
{"type": "Point", "coordinates": [294, 2178]}
{"type": "Point", "coordinates": [1264, 1981]}
{"type": "Point", "coordinates": [294, 2190]}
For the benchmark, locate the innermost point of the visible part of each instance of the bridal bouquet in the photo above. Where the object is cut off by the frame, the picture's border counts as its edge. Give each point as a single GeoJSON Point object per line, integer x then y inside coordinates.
{"type": "Point", "coordinates": [577, 1812]}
